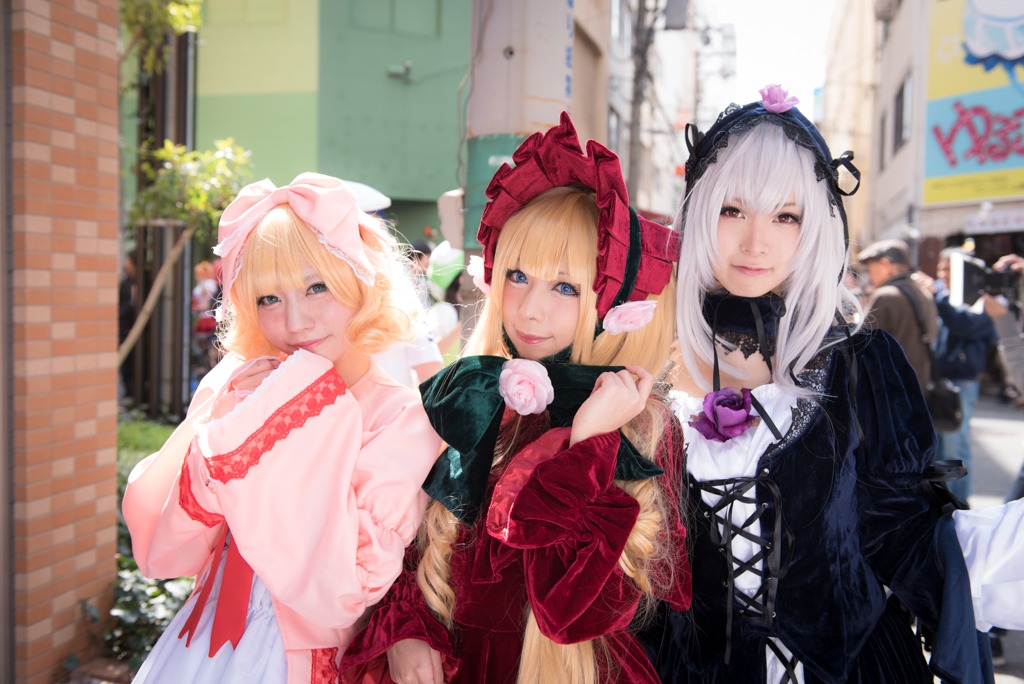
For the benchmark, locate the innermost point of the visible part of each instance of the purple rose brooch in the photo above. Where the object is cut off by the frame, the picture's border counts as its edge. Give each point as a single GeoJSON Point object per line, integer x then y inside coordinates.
{"type": "Point", "coordinates": [726, 414]}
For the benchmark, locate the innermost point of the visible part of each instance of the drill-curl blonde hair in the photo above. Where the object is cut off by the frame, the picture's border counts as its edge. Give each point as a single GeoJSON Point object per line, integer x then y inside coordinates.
{"type": "Point", "coordinates": [556, 232]}
{"type": "Point", "coordinates": [272, 261]}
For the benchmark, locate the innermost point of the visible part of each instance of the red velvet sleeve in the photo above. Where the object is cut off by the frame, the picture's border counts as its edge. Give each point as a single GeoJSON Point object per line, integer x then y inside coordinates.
{"type": "Point", "coordinates": [558, 504]}
{"type": "Point", "coordinates": [402, 614]}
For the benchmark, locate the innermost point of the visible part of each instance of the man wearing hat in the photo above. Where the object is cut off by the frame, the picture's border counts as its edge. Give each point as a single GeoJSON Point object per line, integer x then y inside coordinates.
{"type": "Point", "coordinates": [897, 303]}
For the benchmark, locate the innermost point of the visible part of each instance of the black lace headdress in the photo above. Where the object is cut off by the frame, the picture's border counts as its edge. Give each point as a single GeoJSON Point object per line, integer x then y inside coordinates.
{"type": "Point", "coordinates": [776, 109]}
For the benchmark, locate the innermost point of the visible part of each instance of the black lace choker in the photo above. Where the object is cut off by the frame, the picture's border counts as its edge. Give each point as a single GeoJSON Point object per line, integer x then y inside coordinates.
{"type": "Point", "coordinates": [745, 321]}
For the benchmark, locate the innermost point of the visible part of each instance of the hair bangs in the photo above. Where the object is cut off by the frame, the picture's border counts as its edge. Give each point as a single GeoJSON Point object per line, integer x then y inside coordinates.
{"type": "Point", "coordinates": [766, 170]}
{"type": "Point", "coordinates": [560, 245]}
{"type": "Point", "coordinates": [272, 260]}
{"type": "Point", "coordinates": [553, 237]}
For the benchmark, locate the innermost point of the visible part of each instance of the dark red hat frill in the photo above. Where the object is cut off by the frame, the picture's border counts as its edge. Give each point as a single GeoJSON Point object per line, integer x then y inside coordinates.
{"type": "Point", "coordinates": [555, 159]}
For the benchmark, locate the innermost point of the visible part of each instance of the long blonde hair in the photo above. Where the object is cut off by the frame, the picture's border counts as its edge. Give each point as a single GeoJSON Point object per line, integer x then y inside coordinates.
{"type": "Point", "coordinates": [272, 261]}
{"type": "Point", "coordinates": [558, 231]}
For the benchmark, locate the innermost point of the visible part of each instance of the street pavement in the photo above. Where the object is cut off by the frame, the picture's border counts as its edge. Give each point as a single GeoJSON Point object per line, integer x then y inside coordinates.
{"type": "Point", "coordinates": [997, 442]}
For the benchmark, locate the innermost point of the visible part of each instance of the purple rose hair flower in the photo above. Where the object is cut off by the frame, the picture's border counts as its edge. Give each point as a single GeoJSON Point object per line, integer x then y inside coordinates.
{"type": "Point", "coordinates": [775, 98]}
{"type": "Point", "coordinates": [726, 414]}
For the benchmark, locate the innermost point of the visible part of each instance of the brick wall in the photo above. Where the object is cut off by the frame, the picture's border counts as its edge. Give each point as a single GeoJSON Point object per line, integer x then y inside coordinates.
{"type": "Point", "coordinates": [64, 139]}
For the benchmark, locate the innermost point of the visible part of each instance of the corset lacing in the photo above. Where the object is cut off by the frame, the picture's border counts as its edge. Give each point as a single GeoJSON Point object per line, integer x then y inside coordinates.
{"type": "Point", "coordinates": [759, 608]}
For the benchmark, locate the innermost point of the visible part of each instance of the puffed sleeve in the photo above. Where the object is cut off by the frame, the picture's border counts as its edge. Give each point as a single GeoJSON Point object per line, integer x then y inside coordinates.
{"type": "Point", "coordinates": [992, 540]}
{"type": "Point", "coordinates": [558, 504]}
{"type": "Point", "coordinates": [152, 495]}
{"type": "Point", "coordinates": [402, 614]}
{"type": "Point", "coordinates": [899, 443]}
{"type": "Point", "coordinates": [320, 505]}
{"type": "Point", "coordinates": [907, 537]}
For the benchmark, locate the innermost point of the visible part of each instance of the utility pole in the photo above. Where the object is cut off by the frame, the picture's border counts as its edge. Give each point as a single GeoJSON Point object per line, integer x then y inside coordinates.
{"type": "Point", "coordinates": [673, 14]}
{"type": "Point", "coordinates": [643, 36]}
{"type": "Point", "coordinates": [521, 57]}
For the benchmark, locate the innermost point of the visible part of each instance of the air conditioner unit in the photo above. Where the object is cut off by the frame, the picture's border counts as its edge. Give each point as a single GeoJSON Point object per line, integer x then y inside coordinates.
{"type": "Point", "coordinates": [885, 10]}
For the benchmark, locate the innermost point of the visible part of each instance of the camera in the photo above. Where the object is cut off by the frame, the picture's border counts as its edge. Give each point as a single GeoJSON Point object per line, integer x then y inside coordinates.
{"type": "Point", "coordinates": [969, 278]}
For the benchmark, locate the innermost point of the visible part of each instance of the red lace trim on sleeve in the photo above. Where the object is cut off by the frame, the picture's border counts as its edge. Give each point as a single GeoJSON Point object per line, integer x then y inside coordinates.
{"type": "Point", "coordinates": [189, 504]}
{"type": "Point", "coordinates": [325, 666]}
{"type": "Point", "coordinates": [323, 392]}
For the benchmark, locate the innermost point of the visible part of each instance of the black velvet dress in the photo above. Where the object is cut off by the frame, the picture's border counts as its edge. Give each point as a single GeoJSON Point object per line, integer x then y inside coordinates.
{"type": "Point", "coordinates": [844, 524]}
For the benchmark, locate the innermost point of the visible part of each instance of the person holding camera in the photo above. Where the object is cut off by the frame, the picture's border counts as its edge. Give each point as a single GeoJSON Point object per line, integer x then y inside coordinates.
{"type": "Point", "coordinates": [961, 350]}
{"type": "Point", "coordinates": [1004, 316]}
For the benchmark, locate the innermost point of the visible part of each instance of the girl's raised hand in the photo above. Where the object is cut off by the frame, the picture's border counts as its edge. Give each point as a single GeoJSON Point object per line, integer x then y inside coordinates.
{"type": "Point", "coordinates": [244, 384]}
{"type": "Point", "coordinates": [411, 661]}
{"type": "Point", "coordinates": [617, 399]}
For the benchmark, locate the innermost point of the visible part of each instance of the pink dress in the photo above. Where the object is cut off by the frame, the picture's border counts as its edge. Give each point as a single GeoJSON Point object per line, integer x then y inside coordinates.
{"type": "Point", "coordinates": [319, 487]}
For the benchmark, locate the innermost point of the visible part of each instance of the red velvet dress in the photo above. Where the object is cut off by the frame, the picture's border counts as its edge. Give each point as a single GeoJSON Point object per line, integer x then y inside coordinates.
{"type": "Point", "coordinates": [551, 539]}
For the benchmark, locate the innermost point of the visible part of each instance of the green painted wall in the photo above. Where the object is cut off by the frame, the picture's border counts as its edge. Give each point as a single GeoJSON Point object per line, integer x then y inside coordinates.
{"type": "Point", "coordinates": [321, 85]}
{"type": "Point", "coordinates": [278, 127]}
{"type": "Point", "coordinates": [396, 131]}
{"type": "Point", "coordinates": [257, 82]}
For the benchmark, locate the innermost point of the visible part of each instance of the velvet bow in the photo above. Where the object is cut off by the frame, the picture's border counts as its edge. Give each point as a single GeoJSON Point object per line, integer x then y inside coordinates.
{"type": "Point", "coordinates": [465, 409]}
{"type": "Point", "coordinates": [326, 204]}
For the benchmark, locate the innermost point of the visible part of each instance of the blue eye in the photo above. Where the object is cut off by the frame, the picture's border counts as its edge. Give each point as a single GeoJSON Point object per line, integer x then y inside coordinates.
{"type": "Point", "coordinates": [266, 300]}
{"type": "Point", "coordinates": [516, 276]}
{"type": "Point", "coordinates": [317, 288]}
{"type": "Point", "coordinates": [567, 289]}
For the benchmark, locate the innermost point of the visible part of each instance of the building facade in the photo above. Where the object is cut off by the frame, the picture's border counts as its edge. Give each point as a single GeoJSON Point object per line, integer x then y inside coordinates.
{"type": "Point", "coordinates": [949, 161]}
{"type": "Point", "coordinates": [367, 90]}
{"type": "Point", "coordinates": [58, 404]}
{"type": "Point", "coordinates": [848, 104]}
{"type": "Point", "coordinates": [396, 94]}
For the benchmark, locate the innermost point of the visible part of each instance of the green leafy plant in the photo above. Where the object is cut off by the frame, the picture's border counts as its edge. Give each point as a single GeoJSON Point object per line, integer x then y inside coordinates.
{"type": "Point", "coordinates": [151, 23]}
{"type": "Point", "coordinates": [137, 438]}
{"type": "Point", "coordinates": [190, 186]}
{"type": "Point", "coordinates": [142, 607]}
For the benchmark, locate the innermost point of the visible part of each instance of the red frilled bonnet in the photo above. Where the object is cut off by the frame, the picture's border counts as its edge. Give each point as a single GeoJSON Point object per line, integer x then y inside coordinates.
{"type": "Point", "coordinates": [634, 254]}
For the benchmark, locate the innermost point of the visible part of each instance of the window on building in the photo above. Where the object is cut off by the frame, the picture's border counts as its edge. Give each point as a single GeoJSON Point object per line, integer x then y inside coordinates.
{"type": "Point", "coordinates": [901, 115]}
{"type": "Point", "coordinates": [412, 17]}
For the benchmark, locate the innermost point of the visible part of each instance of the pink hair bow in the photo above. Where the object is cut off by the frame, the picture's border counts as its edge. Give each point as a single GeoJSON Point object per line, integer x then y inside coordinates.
{"type": "Point", "coordinates": [326, 204]}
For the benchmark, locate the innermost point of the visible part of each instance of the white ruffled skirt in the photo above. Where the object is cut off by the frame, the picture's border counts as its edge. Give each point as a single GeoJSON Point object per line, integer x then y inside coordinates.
{"type": "Point", "coordinates": [258, 659]}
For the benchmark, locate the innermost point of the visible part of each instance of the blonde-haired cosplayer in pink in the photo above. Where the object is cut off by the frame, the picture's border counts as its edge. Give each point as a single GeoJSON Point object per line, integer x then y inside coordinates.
{"type": "Point", "coordinates": [293, 486]}
{"type": "Point", "coordinates": [272, 260]}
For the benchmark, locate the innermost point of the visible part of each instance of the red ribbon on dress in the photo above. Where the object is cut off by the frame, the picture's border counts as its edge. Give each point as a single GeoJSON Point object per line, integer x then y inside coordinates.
{"type": "Point", "coordinates": [233, 603]}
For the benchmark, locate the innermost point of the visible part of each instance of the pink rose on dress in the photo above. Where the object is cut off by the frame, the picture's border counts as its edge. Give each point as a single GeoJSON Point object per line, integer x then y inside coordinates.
{"type": "Point", "coordinates": [726, 414]}
{"type": "Point", "coordinates": [525, 386]}
{"type": "Point", "coordinates": [476, 270]}
{"type": "Point", "coordinates": [776, 99]}
{"type": "Point", "coordinates": [628, 317]}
